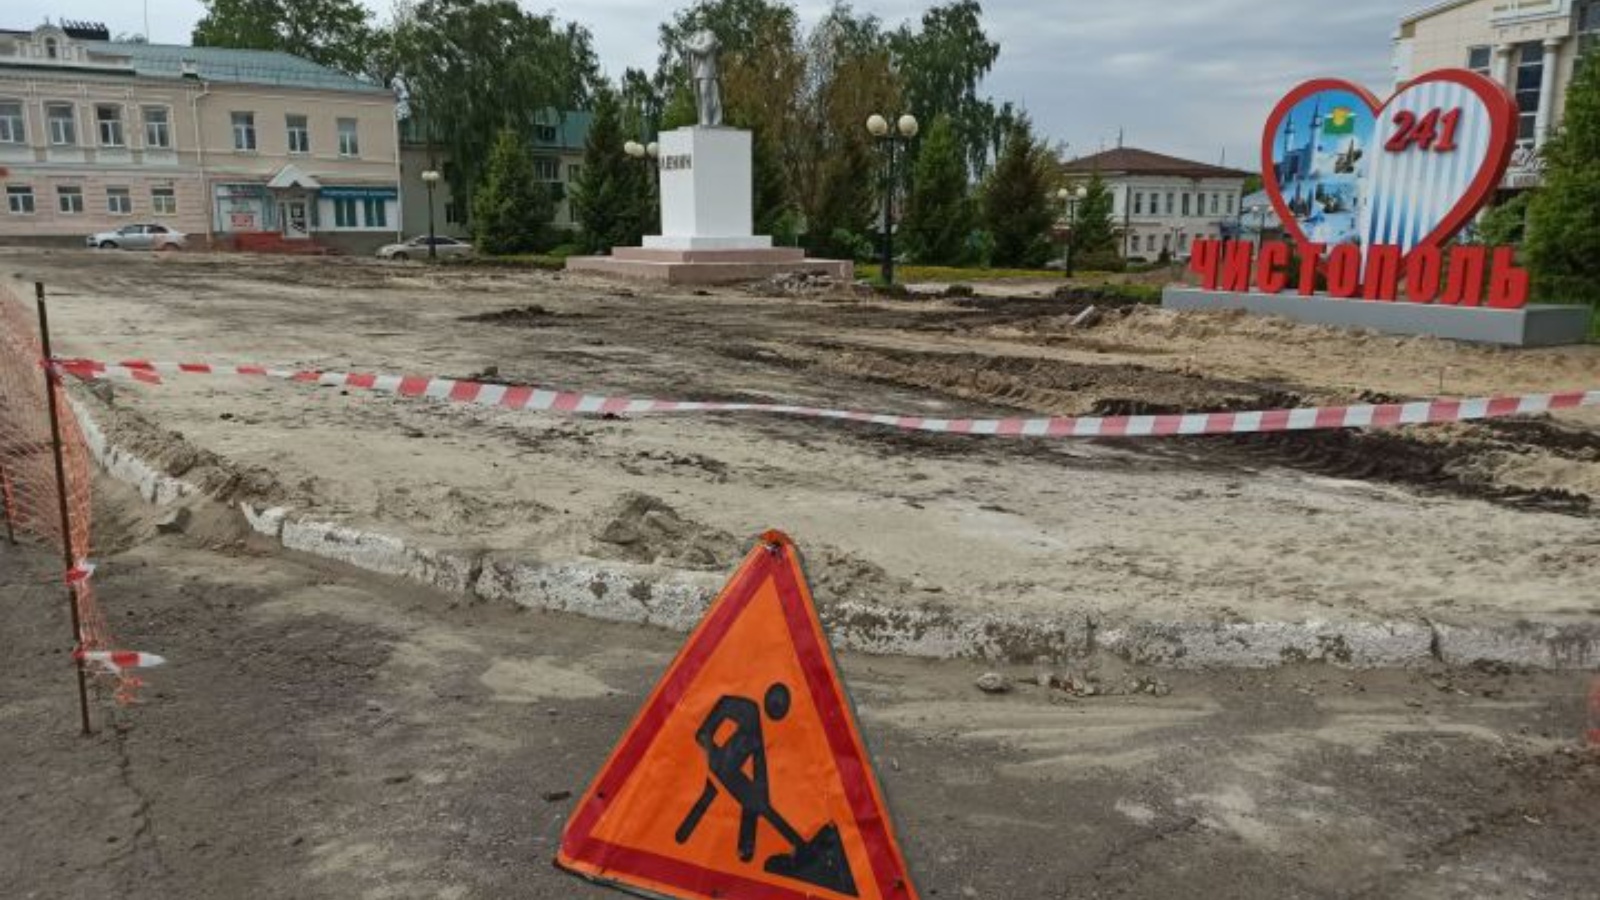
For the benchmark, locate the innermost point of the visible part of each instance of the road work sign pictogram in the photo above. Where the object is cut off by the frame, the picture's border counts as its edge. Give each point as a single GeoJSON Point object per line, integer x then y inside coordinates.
{"type": "Point", "coordinates": [744, 776]}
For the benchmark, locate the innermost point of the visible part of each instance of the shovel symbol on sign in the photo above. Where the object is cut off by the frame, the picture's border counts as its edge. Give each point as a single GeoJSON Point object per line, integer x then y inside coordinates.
{"type": "Point", "coordinates": [739, 766]}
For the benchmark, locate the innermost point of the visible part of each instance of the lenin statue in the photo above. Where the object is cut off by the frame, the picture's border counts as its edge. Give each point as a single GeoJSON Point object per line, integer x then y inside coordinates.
{"type": "Point", "coordinates": [702, 56]}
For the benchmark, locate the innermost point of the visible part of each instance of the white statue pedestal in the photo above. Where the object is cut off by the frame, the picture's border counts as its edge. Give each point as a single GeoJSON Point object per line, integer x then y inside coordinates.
{"type": "Point", "coordinates": [706, 220]}
{"type": "Point", "coordinates": [706, 191]}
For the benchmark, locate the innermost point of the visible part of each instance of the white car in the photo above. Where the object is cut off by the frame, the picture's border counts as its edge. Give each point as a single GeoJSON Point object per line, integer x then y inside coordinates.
{"type": "Point", "coordinates": [139, 237]}
{"type": "Point", "coordinates": [417, 248]}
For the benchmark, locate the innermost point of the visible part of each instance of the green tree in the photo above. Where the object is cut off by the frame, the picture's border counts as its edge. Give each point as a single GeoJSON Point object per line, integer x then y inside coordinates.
{"type": "Point", "coordinates": [943, 63]}
{"type": "Point", "coordinates": [611, 200]}
{"type": "Point", "coordinates": [1094, 230]}
{"type": "Point", "coordinates": [475, 67]}
{"type": "Point", "coordinates": [833, 167]}
{"type": "Point", "coordinates": [939, 217]}
{"type": "Point", "coordinates": [334, 33]}
{"type": "Point", "coordinates": [1563, 240]}
{"type": "Point", "coordinates": [1016, 205]}
{"type": "Point", "coordinates": [1505, 224]}
{"type": "Point", "coordinates": [511, 209]}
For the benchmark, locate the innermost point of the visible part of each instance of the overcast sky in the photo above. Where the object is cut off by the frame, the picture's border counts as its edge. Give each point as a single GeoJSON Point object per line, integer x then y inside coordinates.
{"type": "Point", "coordinates": [1187, 77]}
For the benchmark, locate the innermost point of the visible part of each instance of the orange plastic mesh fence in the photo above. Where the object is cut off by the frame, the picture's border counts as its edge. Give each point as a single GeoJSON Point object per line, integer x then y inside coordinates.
{"type": "Point", "coordinates": [29, 495]}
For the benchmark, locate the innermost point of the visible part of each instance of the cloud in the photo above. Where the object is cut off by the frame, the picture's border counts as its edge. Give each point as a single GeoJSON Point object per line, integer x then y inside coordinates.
{"type": "Point", "coordinates": [1189, 78]}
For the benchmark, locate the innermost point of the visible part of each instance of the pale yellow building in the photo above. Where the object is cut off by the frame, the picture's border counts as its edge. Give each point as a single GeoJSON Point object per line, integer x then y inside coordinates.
{"type": "Point", "coordinates": [218, 143]}
{"type": "Point", "coordinates": [1530, 46]}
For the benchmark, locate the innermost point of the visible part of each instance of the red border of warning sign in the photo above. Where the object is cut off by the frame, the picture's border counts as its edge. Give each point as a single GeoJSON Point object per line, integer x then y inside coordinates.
{"type": "Point", "coordinates": [776, 557]}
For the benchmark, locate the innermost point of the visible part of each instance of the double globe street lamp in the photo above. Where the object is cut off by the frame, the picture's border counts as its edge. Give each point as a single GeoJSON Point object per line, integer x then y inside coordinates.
{"type": "Point", "coordinates": [905, 128]}
{"type": "Point", "coordinates": [431, 179]}
{"type": "Point", "coordinates": [1070, 199]}
{"type": "Point", "coordinates": [650, 152]}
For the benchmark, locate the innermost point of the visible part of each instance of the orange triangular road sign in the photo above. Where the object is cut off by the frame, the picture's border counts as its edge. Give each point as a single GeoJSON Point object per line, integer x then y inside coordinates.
{"type": "Point", "coordinates": [744, 776]}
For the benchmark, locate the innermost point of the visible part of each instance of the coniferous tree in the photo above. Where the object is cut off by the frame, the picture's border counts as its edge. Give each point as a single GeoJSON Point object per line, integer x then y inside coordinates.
{"type": "Point", "coordinates": [1093, 231]}
{"type": "Point", "coordinates": [611, 200]}
{"type": "Point", "coordinates": [1016, 205]}
{"type": "Point", "coordinates": [511, 209]}
{"type": "Point", "coordinates": [939, 216]}
{"type": "Point", "coordinates": [1563, 237]}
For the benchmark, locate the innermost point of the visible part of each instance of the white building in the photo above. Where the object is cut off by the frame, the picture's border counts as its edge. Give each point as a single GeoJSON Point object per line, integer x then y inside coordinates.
{"type": "Point", "coordinates": [1530, 46]}
{"type": "Point", "coordinates": [1163, 203]}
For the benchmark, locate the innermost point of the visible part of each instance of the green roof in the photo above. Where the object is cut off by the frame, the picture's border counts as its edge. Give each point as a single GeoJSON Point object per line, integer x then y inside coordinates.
{"type": "Point", "coordinates": [572, 130]}
{"type": "Point", "coordinates": [237, 66]}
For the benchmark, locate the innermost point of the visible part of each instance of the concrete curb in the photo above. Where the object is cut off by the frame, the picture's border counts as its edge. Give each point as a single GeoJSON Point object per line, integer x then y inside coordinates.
{"type": "Point", "coordinates": [619, 592]}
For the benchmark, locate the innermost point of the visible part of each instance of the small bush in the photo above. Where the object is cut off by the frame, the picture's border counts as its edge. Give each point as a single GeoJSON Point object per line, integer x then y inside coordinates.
{"type": "Point", "coordinates": [1100, 261]}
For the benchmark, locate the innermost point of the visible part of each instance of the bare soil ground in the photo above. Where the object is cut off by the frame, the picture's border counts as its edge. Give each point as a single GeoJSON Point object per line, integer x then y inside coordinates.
{"type": "Point", "coordinates": [321, 732]}
{"type": "Point", "coordinates": [1461, 524]}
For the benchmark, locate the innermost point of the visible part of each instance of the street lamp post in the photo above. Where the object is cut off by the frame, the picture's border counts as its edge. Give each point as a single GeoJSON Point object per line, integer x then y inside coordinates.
{"type": "Point", "coordinates": [905, 128]}
{"type": "Point", "coordinates": [652, 152]}
{"type": "Point", "coordinates": [1070, 199]}
{"type": "Point", "coordinates": [431, 178]}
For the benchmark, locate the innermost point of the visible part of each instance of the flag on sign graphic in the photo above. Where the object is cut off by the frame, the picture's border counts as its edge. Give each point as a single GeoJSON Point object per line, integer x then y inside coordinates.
{"type": "Point", "coordinates": [1341, 121]}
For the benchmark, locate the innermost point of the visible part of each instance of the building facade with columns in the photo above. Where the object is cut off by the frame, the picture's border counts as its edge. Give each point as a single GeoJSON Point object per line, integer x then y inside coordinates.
{"type": "Point", "coordinates": [1530, 46]}
{"type": "Point", "coordinates": [217, 143]}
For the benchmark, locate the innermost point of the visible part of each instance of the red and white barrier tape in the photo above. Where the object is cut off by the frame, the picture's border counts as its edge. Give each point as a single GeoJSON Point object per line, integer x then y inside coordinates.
{"type": "Point", "coordinates": [115, 662]}
{"type": "Point", "coordinates": [1380, 415]}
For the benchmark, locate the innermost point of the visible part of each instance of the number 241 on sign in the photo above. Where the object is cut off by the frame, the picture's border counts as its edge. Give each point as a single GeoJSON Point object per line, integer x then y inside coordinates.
{"type": "Point", "coordinates": [1435, 130]}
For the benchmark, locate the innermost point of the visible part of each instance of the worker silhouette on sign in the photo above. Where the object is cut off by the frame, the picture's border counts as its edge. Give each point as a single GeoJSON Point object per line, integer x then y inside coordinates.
{"type": "Point", "coordinates": [739, 765]}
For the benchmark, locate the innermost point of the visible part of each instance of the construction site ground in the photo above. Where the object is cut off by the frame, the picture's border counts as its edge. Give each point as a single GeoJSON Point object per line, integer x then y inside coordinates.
{"type": "Point", "coordinates": [321, 732]}
{"type": "Point", "coordinates": [1491, 524]}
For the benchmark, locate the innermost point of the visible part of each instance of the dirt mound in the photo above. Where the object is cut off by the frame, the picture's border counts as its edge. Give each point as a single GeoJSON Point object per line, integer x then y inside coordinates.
{"type": "Point", "coordinates": [642, 529]}
{"type": "Point", "coordinates": [531, 316]}
{"type": "Point", "coordinates": [799, 284]}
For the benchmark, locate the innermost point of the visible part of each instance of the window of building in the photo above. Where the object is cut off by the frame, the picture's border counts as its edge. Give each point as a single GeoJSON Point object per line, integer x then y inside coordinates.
{"type": "Point", "coordinates": [574, 173]}
{"type": "Point", "coordinates": [1529, 76]}
{"type": "Point", "coordinates": [13, 127]}
{"type": "Point", "coordinates": [377, 212]}
{"type": "Point", "coordinates": [52, 50]}
{"type": "Point", "coordinates": [164, 201]}
{"type": "Point", "coordinates": [544, 134]}
{"type": "Point", "coordinates": [349, 140]}
{"type": "Point", "coordinates": [244, 131]}
{"type": "Point", "coordinates": [69, 199]}
{"type": "Point", "coordinates": [1588, 26]}
{"type": "Point", "coordinates": [1150, 243]}
{"type": "Point", "coordinates": [1478, 59]}
{"type": "Point", "coordinates": [1171, 203]}
{"type": "Point", "coordinates": [299, 134]}
{"type": "Point", "coordinates": [108, 121]}
{"type": "Point", "coordinates": [118, 201]}
{"type": "Point", "coordinates": [1185, 204]}
{"type": "Point", "coordinates": [1231, 198]}
{"type": "Point", "coordinates": [546, 169]}
{"type": "Point", "coordinates": [157, 128]}
{"type": "Point", "coordinates": [1138, 204]}
{"type": "Point", "coordinates": [1166, 243]}
{"type": "Point", "coordinates": [1216, 204]}
{"type": "Point", "coordinates": [63, 124]}
{"type": "Point", "coordinates": [344, 212]}
{"type": "Point", "coordinates": [452, 214]}
{"type": "Point", "coordinates": [19, 199]}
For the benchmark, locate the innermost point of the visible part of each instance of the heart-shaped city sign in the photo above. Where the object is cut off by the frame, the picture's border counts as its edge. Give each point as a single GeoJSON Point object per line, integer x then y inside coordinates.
{"type": "Point", "coordinates": [1342, 168]}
